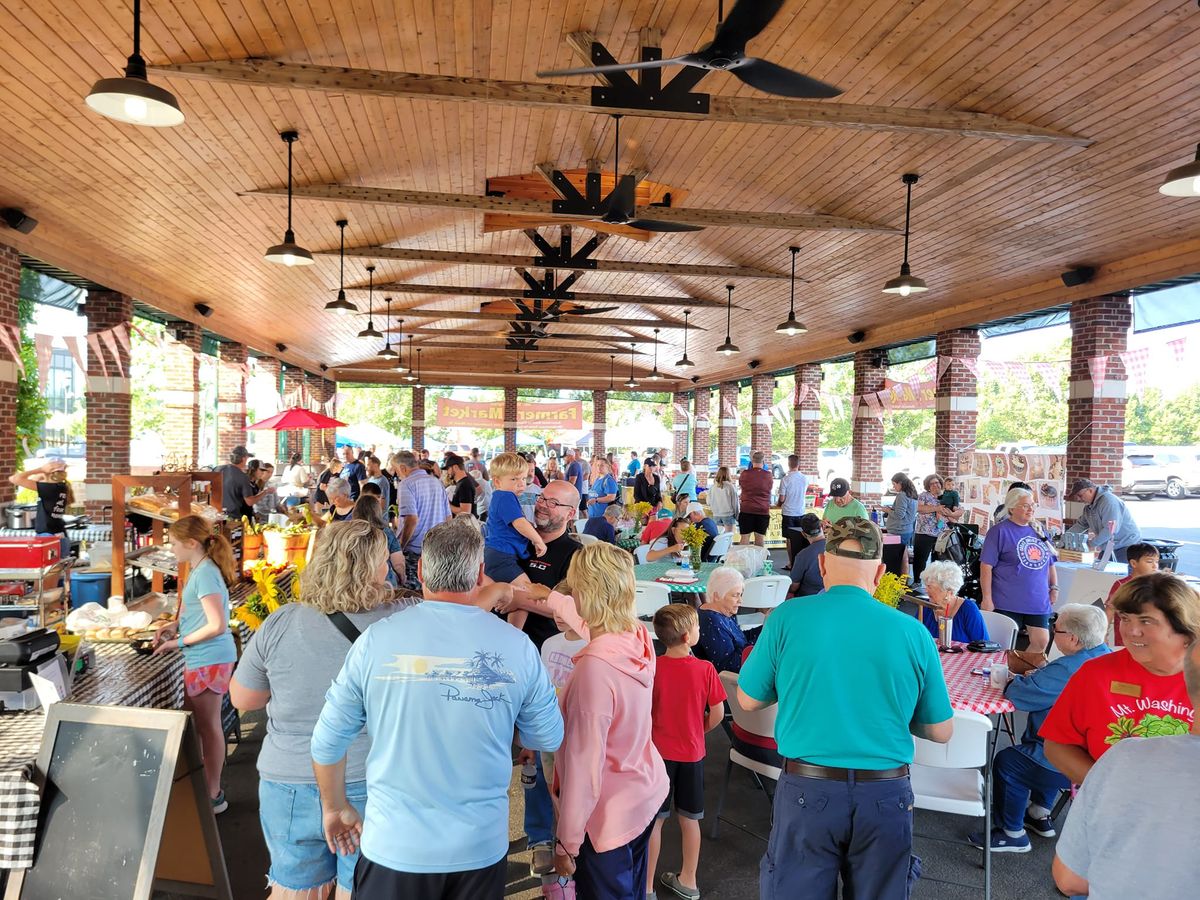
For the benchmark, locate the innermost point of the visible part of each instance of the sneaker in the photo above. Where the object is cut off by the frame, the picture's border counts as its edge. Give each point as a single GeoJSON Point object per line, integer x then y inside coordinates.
{"type": "Point", "coordinates": [670, 881]}
{"type": "Point", "coordinates": [1043, 827]}
{"type": "Point", "coordinates": [542, 862]}
{"type": "Point", "coordinates": [1001, 842]}
{"type": "Point", "coordinates": [219, 803]}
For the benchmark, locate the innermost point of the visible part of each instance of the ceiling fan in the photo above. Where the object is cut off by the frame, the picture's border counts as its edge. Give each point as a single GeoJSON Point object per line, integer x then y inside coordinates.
{"type": "Point", "coordinates": [538, 311]}
{"type": "Point", "coordinates": [517, 370]}
{"type": "Point", "coordinates": [727, 52]}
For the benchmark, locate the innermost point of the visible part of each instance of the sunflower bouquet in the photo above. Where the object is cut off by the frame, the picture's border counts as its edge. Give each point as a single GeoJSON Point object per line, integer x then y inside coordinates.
{"type": "Point", "coordinates": [639, 511]}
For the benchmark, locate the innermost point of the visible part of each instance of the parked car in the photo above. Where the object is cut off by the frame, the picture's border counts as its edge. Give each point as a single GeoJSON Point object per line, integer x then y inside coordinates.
{"type": "Point", "coordinates": [714, 459]}
{"type": "Point", "coordinates": [1142, 476]}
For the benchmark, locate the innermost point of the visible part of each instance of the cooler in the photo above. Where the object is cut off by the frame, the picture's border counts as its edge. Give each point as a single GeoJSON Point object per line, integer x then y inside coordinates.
{"type": "Point", "coordinates": [90, 587]}
{"type": "Point", "coordinates": [29, 552]}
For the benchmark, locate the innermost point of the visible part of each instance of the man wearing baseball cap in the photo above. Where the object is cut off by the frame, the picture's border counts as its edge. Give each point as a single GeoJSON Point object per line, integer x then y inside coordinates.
{"type": "Point", "coordinates": [854, 680]}
{"type": "Point", "coordinates": [695, 514]}
{"type": "Point", "coordinates": [841, 504]}
{"type": "Point", "coordinates": [1104, 515]}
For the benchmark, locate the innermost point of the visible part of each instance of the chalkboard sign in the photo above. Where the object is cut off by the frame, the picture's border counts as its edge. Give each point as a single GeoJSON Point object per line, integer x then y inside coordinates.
{"type": "Point", "coordinates": [124, 809]}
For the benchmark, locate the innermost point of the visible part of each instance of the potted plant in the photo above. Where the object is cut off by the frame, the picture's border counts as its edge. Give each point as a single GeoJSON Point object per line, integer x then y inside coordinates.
{"type": "Point", "coordinates": [252, 543]}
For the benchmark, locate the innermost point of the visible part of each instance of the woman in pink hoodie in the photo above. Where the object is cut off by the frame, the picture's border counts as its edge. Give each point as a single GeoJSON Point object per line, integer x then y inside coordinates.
{"type": "Point", "coordinates": [611, 780]}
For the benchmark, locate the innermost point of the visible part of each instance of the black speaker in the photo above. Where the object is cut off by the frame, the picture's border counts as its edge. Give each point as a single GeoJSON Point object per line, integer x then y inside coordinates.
{"type": "Point", "coordinates": [754, 363]}
{"type": "Point", "coordinates": [857, 337]}
{"type": "Point", "coordinates": [1078, 275]}
{"type": "Point", "coordinates": [15, 218]}
{"type": "Point", "coordinates": [281, 347]}
{"type": "Point", "coordinates": [203, 308]}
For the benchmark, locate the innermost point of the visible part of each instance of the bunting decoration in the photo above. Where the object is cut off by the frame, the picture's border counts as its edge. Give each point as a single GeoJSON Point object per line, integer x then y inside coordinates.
{"type": "Point", "coordinates": [110, 342]}
{"type": "Point", "coordinates": [12, 342]}
{"type": "Point", "coordinates": [1098, 368]}
{"type": "Point", "coordinates": [42, 350]}
{"type": "Point", "coordinates": [93, 342]}
{"type": "Point", "coordinates": [73, 348]}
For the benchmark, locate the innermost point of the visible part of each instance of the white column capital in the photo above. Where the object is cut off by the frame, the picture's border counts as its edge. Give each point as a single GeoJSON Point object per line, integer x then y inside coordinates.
{"type": "Point", "coordinates": [1086, 389]}
{"type": "Point", "coordinates": [956, 404]}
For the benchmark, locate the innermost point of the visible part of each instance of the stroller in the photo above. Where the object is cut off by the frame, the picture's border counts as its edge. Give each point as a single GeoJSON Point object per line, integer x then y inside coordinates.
{"type": "Point", "coordinates": [961, 544]}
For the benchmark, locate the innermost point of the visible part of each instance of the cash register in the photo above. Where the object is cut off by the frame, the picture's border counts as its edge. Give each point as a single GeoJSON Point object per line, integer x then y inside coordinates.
{"type": "Point", "coordinates": [32, 653]}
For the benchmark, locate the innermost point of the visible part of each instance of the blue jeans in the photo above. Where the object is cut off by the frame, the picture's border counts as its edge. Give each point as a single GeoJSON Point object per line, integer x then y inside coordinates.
{"type": "Point", "coordinates": [290, 815]}
{"type": "Point", "coordinates": [861, 831]}
{"type": "Point", "coordinates": [539, 809]}
{"type": "Point", "coordinates": [1017, 776]}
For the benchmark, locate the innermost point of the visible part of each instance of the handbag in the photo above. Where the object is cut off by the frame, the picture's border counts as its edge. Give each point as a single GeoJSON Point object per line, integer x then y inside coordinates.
{"type": "Point", "coordinates": [342, 623]}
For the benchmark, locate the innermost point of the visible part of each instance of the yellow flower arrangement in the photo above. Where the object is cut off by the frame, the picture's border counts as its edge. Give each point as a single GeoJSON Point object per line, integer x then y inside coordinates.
{"type": "Point", "coordinates": [640, 510]}
{"type": "Point", "coordinates": [891, 589]}
{"type": "Point", "coordinates": [694, 537]}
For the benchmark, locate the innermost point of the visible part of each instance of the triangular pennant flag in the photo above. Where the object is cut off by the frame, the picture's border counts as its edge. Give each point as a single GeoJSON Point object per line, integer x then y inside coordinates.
{"type": "Point", "coordinates": [1097, 368]}
{"type": "Point", "coordinates": [111, 343]}
{"type": "Point", "coordinates": [93, 341]}
{"type": "Point", "coordinates": [122, 335]}
{"type": "Point", "coordinates": [873, 405]}
{"type": "Point", "coordinates": [885, 398]}
{"type": "Point", "coordinates": [43, 350]}
{"type": "Point", "coordinates": [72, 343]}
{"type": "Point", "coordinates": [943, 363]}
{"type": "Point", "coordinates": [1136, 363]}
{"type": "Point", "coordinates": [972, 364]}
{"type": "Point", "coordinates": [12, 342]}
{"type": "Point", "coordinates": [802, 390]}
{"type": "Point", "coordinates": [1179, 348]}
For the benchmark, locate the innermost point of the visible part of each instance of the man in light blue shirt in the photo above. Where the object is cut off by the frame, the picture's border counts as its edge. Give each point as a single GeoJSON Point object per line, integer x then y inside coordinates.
{"type": "Point", "coordinates": [439, 687]}
{"type": "Point", "coordinates": [422, 503]}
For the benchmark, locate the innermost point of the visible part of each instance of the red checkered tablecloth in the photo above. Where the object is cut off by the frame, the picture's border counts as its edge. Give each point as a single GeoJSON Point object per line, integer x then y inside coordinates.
{"type": "Point", "coordinates": [974, 692]}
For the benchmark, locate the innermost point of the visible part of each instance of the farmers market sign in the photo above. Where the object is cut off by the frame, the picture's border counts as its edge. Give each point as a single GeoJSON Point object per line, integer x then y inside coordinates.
{"type": "Point", "coordinates": [566, 415]}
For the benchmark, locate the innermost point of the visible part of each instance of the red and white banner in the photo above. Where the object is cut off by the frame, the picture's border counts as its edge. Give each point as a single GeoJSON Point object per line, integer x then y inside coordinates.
{"type": "Point", "coordinates": [565, 415]}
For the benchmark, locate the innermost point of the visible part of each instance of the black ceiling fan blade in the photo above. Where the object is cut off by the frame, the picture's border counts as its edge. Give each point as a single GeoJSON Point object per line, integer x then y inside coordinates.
{"type": "Point", "coordinates": [775, 79]}
{"type": "Point", "coordinates": [745, 21]}
{"type": "Point", "coordinates": [591, 311]}
{"type": "Point", "coordinates": [617, 67]}
{"type": "Point", "coordinates": [620, 204]}
{"type": "Point", "coordinates": [652, 225]}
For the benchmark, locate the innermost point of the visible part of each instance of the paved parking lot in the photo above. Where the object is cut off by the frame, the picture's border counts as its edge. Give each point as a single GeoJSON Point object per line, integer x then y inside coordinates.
{"type": "Point", "coordinates": [1176, 520]}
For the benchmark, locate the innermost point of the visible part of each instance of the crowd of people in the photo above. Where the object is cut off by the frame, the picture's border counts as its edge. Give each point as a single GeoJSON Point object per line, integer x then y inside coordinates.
{"type": "Point", "coordinates": [512, 642]}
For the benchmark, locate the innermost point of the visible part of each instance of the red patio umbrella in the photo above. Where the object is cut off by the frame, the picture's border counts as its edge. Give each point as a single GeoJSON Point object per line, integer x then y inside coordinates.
{"type": "Point", "coordinates": [296, 418]}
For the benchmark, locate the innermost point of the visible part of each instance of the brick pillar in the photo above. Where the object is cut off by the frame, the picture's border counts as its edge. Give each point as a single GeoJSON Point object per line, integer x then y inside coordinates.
{"type": "Point", "coordinates": [679, 426]}
{"type": "Point", "coordinates": [319, 394]}
{"type": "Point", "coordinates": [867, 481]}
{"type": "Point", "coordinates": [294, 384]}
{"type": "Point", "coordinates": [231, 399]}
{"type": "Point", "coordinates": [806, 416]}
{"type": "Point", "coordinates": [418, 417]}
{"type": "Point", "coordinates": [10, 285]}
{"type": "Point", "coordinates": [700, 438]}
{"type": "Point", "coordinates": [181, 394]}
{"type": "Point", "coordinates": [727, 397]}
{"type": "Point", "coordinates": [1096, 402]}
{"type": "Point", "coordinates": [107, 403]}
{"type": "Point", "coordinates": [510, 420]}
{"type": "Point", "coordinates": [599, 423]}
{"type": "Point", "coordinates": [955, 401]}
{"type": "Point", "coordinates": [762, 394]}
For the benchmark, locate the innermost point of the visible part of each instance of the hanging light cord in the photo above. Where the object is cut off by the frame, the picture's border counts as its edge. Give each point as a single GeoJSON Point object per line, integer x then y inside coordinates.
{"type": "Point", "coordinates": [289, 227]}
{"type": "Point", "coordinates": [655, 349]}
{"type": "Point", "coordinates": [341, 225]}
{"type": "Point", "coordinates": [370, 291]}
{"type": "Point", "coordinates": [612, 370]}
{"type": "Point", "coordinates": [728, 311]}
{"type": "Point", "coordinates": [387, 334]}
{"type": "Point", "coordinates": [686, 313]}
{"type": "Point", "coordinates": [792, 300]}
{"type": "Point", "coordinates": [137, 30]}
{"type": "Point", "coordinates": [907, 212]}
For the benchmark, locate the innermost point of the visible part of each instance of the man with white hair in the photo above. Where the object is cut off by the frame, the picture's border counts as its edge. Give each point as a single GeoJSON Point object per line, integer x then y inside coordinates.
{"type": "Point", "coordinates": [438, 829]}
{"type": "Point", "coordinates": [1026, 784]}
{"type": "Point", "coordinates": [422, 504]}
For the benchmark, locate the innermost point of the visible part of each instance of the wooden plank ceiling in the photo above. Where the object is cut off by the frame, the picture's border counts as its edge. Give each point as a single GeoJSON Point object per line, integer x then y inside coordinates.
{"type": "Point", "coordinates": [171, 216]}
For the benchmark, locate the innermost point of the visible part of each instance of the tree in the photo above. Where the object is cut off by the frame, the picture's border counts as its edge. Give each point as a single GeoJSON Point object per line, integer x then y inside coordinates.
{"type": "Point", "coordinates": [31, 404]}
{"type": "Point", "coordinates": [147, 410]}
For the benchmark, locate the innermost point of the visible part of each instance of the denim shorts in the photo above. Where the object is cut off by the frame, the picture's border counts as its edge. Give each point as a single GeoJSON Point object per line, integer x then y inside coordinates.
{"type": "Point", "coordinates": [725, 520]}
{"type": "Point", "coordinates": [501, 566]}
{"type": "Point", "coordinates": [291, 823]}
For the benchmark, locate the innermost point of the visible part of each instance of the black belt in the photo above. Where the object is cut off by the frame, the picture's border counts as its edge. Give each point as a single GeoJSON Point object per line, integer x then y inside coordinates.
{"type": "Point", "coordinates": [832, 773]}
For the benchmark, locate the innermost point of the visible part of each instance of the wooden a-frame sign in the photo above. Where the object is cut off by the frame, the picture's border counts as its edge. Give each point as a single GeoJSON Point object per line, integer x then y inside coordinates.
{"type": "Point", "coordinates": [124, 809]}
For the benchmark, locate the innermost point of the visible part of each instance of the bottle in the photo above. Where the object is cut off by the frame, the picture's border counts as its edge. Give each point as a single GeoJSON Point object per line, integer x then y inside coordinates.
{"type": "Point", "coordinates": [686, 561]}
{"type": "Point", "coordinates": [528, 776]}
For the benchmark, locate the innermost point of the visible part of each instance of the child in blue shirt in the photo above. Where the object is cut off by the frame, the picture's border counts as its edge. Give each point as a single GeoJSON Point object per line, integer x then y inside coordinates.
{"type": "Point", "coordinates": [509, 533]}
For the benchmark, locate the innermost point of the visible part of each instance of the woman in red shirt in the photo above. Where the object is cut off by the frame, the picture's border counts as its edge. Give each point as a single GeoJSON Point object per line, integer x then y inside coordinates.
{"type": "Point", "coordinates": [1135, 692]}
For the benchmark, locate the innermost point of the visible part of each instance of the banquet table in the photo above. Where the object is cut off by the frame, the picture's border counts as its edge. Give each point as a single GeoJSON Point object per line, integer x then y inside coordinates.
{"type": "Point", "coordinates": [652, 571]}
{"type": "Point", "coordinates": [974, 692]}
{"type": "Point", "coordinates": [1080, 583]}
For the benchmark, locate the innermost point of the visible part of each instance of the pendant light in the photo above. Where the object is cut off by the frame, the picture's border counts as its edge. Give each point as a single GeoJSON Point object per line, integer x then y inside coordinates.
{"type": "Point", "coordinates": [906, 283]}
{"type": "Point", "coordinates": [612, 369]}
{"type": "Point", "coordinates": [655, 375]}
{"type": "Point", "coordinates": [791, 326]}
{"type": "Point", "coordinates": [419, 351]}
{"type": "Point", "coordinates": [341, 305]}
{"type": "Point", "coordinates": [632, 382]}
{"type": "Point", "coordinates": [729, 347]}
{"type": "Point", "coordinates": [684, 362]}
{"type": "Point", "coordinates": [411, 374]}
{"type": "Point", "coordinates": [370, 331]}
{"type": "Point", "coordinates": [1183, 181]}
{"type": "Point", "coordinates": [389, 352]}
{"type": "Point", "coordinates": [289, 253]}
{"type": "Point", "coordinates": [132, 98]}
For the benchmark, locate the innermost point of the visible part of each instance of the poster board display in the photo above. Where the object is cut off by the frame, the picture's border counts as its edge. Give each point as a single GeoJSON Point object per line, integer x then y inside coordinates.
{"type": "Point", "coordinates": [984, 477]}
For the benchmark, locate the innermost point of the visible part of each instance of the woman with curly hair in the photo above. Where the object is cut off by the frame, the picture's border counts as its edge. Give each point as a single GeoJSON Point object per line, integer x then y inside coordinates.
{"type": "Point", "coordinates": [287, 667]}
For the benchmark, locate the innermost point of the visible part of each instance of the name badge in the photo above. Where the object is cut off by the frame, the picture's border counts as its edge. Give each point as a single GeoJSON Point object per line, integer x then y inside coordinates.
{"type": "Point", "coordinates": [1128, 690]}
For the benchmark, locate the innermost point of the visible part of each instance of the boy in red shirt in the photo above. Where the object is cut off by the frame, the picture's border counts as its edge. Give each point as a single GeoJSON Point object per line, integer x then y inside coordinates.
{"type": "Point", "coordinates": [1143, 559]}
{"type": "Point", "coordinates": [684, 687]}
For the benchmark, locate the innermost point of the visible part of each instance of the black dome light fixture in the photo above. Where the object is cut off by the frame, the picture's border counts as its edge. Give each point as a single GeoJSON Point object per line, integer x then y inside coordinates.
{"type": "Point", "coordinates": [387, 352]}
{"type": "Point", "coordinates": [729, 347]}
{"type": "Point", "coordinates": [655, 375]}
{"type": "Point", "coordinates": [411, 374]}
{"type": "Point", "coordinates": [791, 326]}
{"type": "Point", "coordinates": [684, 362]}
{"type": "Point", "coordinates": [370, 331]}
{"type": "Point", "coordinates": [132, 98]}
{"type": "Point", "coordinates": [341, 305]}
{"type": "Point", "coordinates": [289, 253]}
{"type": "Point", "coordinates": [906, 283]}
{"type": "Point", "coordinates": [632, 382]}
{"type": "Point", "coordinates": [1183, 181]}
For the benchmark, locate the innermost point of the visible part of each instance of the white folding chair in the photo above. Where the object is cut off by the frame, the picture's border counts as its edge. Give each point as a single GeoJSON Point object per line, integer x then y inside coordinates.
{"type": "Point", "coordinates": [588, 539]}
{"type": "Point", "coordinates": [761, 592]}
{"type": "Point", "coordinates": [721, 544]}
{"type": "Point", "coordinates": [650, 597]}
{"type": "Point", "coordinates": [640, 552]}
{"type": "Point", "coordinates": [760, 721]}
{"type": "Point", "coordinates": [1001, 629]}
{"type": "Point", "coordinates": [956, 778]}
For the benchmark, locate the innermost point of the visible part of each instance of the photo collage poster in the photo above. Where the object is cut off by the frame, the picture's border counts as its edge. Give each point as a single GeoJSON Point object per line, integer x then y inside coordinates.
{"type": "Point", "coordinates": [984, 477]}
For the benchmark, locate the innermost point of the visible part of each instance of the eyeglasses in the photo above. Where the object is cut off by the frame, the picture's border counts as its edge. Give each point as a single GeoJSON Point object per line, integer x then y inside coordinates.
{"type": "Point", "coordinates": [541, 498]}
{"type": "Point", "coordinates": [1058, 631]}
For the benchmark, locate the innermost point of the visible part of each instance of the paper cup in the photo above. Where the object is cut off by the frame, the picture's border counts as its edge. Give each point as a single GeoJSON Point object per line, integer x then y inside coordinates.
{"type": "Point", "coordinates": [999, 675]}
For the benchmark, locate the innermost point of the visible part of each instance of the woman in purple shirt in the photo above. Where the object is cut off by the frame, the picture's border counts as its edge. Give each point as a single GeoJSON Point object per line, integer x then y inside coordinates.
{"type": "Point", "coordinates": [1016, 572]}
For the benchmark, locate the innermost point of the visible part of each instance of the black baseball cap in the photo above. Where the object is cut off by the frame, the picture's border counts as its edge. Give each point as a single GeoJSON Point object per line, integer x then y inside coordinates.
{"type": "Point", "coordinates": [839, 487]}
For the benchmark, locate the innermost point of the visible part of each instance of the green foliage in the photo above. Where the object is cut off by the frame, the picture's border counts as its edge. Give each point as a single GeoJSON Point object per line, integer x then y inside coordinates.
{"type": "Point", "coordinates": [1152, 419]}
{"type": "Point", "coordinates": [31, 405]}
{"type": "Point", "coordinates": [147, 375]}
{"type": "Point", "coordinates": [1010, 412]}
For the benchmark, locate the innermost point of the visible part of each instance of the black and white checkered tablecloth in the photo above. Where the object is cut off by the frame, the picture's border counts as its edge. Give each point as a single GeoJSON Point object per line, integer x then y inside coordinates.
{"type": "Point", "coordinates": [119, 678]}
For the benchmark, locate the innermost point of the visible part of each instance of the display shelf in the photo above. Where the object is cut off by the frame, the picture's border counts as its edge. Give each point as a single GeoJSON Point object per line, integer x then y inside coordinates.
{"type": "Point", "coordinates": [135, 559]}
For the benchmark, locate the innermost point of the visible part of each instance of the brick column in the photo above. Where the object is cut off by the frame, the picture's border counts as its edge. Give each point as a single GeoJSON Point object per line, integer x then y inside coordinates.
{"type": "Point", "coordinates": [867, 481]}
{"type": "Point", "coordinates": [11, 459]}
{"type": "Point", "coordinates": [762, 393]}
{"type": "Point", "coordinates": [806, 417]}
{"type": "Point", "coordinates": [107, 404]}
{"type": "Point", "coordinates": [418, 417]}
{"type": "Point", "coordinates": [294, 384]}
{"type": "Point", "coordinates": [599, 423]}
{"type": "Point", "coordinates": [181, 394]}
{"type": "Point", "coordinates": [231, 399]}
{"type": "Point", "coordinates": [700, 438]}
{"type": "Point", "coordinates": [727, 397]}
{"type": "Point", "coordinates": [955, 402]}
{"type": "Point", "coordinates": [679, 426]}
{"type": "Point", "coordinates": [319, 393]}
{"type": "Point", "coordinates": [1096, 402]}
{"type": "Point", "coordinates": [510, 420]}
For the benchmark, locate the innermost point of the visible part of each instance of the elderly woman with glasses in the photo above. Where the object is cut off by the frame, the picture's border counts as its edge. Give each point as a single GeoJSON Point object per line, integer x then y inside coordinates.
{"type": "Point", "coordinates": [942, 581]}
{"type": "Point", "coordinates": [1016, 571]}
{"type": "Point", "coordinates": [929, 522]}
{"type": "Point", "coordinates": [722, 641]}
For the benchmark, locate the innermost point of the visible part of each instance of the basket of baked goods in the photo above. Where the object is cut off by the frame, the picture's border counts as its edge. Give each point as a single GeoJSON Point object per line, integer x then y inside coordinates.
{"type": "Point", "coordinates": [119, 625]}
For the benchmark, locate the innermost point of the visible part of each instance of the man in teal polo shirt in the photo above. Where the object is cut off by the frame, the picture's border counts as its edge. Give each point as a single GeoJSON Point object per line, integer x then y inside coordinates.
{"type": "Point", "coordinates": [854, 680]}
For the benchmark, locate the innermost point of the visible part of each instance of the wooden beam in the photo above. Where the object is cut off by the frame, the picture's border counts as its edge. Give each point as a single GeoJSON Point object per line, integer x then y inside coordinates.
{"type": "Point", "coordinates": [346, 193]}
{"type": "Point", "coordinates": [555, 336]}
{"type": "Point", "coordinates": [455, 377]}
{"type": "Point", "coordinates": [494, 348]}
{"type": "Point", "coordinates": [740, 110]}
{"type": "Point", "coordinates": [567, 319]}
{"type": "Point", "coordinates": [397, 287]}
{"type": "Point", "coordinates": [502, 260]}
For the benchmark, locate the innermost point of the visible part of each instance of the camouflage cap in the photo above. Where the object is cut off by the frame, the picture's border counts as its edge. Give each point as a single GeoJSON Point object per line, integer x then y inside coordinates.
{"type": "Point", "coordinates": [853, 528]}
